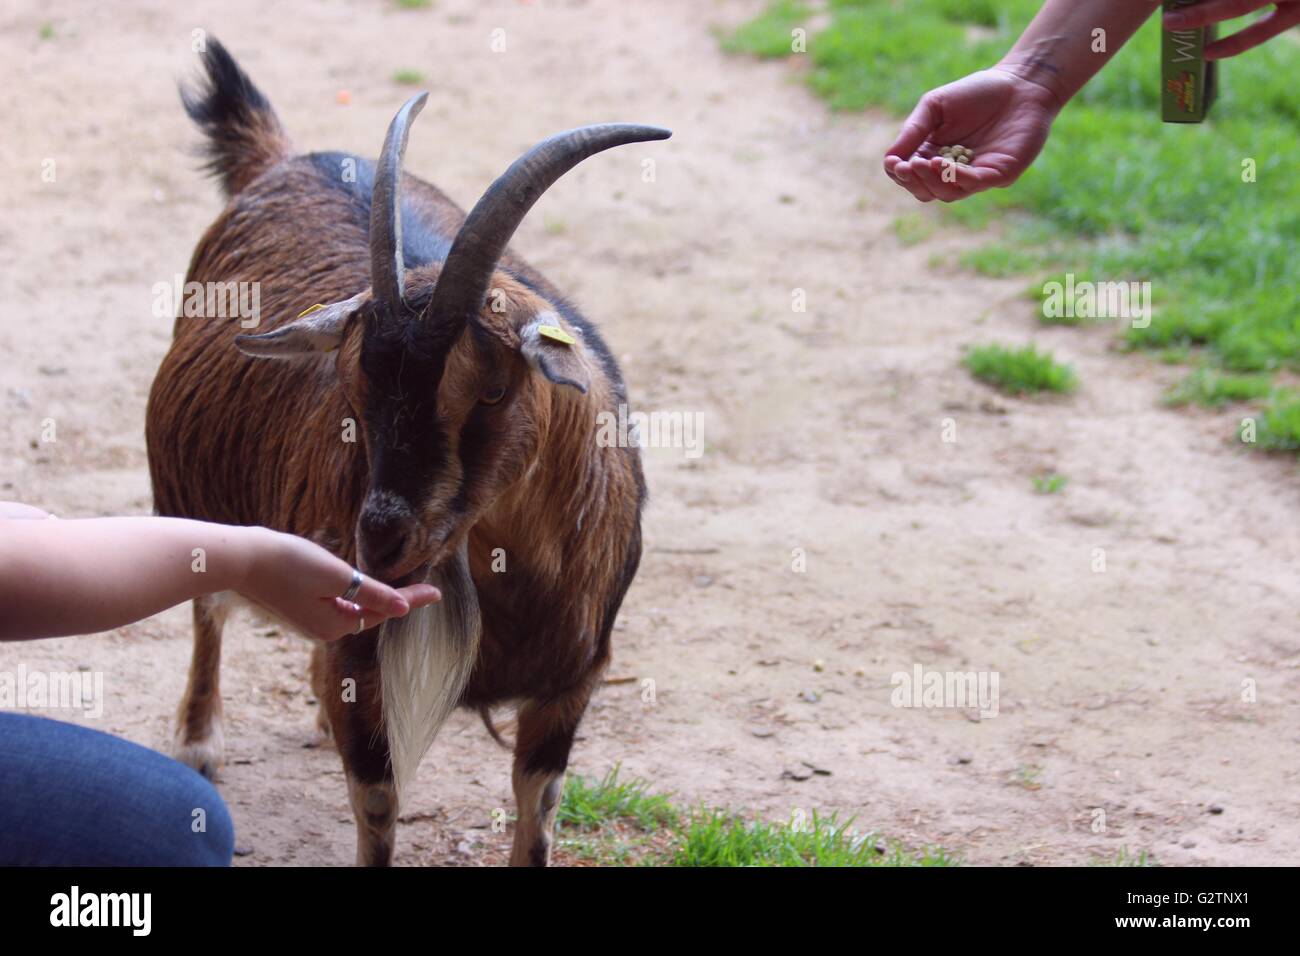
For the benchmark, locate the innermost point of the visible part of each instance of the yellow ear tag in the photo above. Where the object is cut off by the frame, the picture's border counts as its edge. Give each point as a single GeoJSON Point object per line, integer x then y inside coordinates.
{"type": "Point", "coordinates": [556, 334]}
{"type": "Point", "coordinates": [308, 311]}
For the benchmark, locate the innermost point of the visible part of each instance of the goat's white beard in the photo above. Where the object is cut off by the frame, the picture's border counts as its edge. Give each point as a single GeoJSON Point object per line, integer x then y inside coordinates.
{"type": "Point", "coordinates": [425, 660]}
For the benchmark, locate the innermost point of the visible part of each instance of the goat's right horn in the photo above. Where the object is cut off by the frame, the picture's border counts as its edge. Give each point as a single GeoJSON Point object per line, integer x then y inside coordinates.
{"type": "Point", "coordinates": [387, 270]}
{"type": "Point", "coordinates": [463, 282]}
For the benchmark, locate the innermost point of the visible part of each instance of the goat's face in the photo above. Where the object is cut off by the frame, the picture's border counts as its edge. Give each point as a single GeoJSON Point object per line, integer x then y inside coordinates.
{"type": "Point", "coordinates": [451, 422]}
{"type": "Point", "coordinates": [453, 369]}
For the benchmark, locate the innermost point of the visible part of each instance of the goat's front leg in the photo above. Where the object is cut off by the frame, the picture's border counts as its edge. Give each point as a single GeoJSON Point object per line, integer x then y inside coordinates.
{"type": "Point", "coordinates": [542, 746]}
{"type": "Point", "coordinates": [318, 674]}
{"type": "Point", "coordinates": [351, 695]}
{"type": "Point", "coordinates": [199, 742]}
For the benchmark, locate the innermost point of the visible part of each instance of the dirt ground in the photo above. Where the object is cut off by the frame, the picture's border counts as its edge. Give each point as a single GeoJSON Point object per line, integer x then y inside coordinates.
{"type": "Point", "coordinates": [1120, 690]}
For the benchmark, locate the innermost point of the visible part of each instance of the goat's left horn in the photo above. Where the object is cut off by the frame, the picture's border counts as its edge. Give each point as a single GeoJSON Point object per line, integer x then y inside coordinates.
{"type": "Point", "coordinates": [387, 270]}
{"type": "Point", "coordinates": [463, 282]}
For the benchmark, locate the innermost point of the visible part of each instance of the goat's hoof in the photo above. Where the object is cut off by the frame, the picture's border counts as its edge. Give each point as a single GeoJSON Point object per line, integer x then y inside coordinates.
{"type": "Point", "coordinates": [206, 755]}
{"type": "Point", "coordinates": [320, 737]}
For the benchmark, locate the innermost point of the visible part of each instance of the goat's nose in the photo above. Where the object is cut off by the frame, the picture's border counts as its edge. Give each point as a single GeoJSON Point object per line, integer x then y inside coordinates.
{"type": "Point", "coordinates": [382, 537]}
{"type": "Point", "coordinates": [378, 553]}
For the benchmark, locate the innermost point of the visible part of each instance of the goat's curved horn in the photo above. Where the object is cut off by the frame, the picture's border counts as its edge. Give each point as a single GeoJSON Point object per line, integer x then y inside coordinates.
{"type": "Point", "coordinates": [463, 282]}
{"type": "Point", "coordinates": [387, 270]}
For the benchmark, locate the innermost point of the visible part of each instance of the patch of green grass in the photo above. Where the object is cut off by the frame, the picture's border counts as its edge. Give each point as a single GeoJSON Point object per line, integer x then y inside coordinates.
{"type": "Point", "coordinates": [1125, 857]}
{"type": "Point", "coordinates": [1258, 332]}
{"type": "Point", "coordinates": [1019, 371]}
{"type": "Point", "coordinates": [913, 227]}
{"type": "Point", "coordinates": [1049, 484]}
{"type": "Point", "coordinates": [884, 53]}
{"type": "Point", "coordinates": [1213, 389]}
{"type": "Point", "coordinates": [717, 838]}
{"type": "Point", "coordinates": [47, 31]}
{"type": "Point", "coordinates": [613, 821]}
{"type": "Point", "coordinates": [414, 4]}
{"type": "Point", "coordinates": [769, 34]}
{"type": "Point", "coordinates": [999, 260]}
{"type": "Point", "coordinates": [408, 77]}
{"type": "Point", "coordinates": [1124, 196]}
{"type": "Point", "coordinates": [589, 804]}
{"type": "Point", "coordinates": [1278, 424]}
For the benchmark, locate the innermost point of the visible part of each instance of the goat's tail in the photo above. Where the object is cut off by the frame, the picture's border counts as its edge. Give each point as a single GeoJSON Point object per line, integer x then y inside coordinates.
{"type": "Point", "coordinates": [485, 714]}
{"type": "Point", "coordinates": [425, 660]}
{"type": "Point", "coordinates": [244, 136]}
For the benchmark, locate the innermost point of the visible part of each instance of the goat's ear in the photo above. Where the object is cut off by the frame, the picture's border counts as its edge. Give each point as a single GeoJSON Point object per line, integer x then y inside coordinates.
{"type": "Point", "coordinates": [554, 352]}
{"type": "Point", "coordinates": [318, 331]}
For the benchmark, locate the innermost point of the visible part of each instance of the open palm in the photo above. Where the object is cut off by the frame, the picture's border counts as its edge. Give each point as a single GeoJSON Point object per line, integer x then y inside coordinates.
{"type": "Point", "coordinates": [1003, 118]}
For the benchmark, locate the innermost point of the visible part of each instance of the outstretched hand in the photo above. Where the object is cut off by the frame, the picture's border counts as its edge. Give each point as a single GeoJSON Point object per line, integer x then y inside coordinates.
{"type": "Point", "coordinates": [1003, 118]}
{"type": "Point", "coordinates": [301, 582]}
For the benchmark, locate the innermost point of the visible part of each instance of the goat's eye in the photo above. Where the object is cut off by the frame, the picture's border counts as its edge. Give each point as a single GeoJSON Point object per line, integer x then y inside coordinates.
{"type": "Point", "coordinates": [493, 395]}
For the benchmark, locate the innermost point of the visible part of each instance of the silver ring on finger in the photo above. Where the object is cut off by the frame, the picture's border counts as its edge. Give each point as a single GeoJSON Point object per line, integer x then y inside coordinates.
{"type": "Point", "coordinates": [354, 587]}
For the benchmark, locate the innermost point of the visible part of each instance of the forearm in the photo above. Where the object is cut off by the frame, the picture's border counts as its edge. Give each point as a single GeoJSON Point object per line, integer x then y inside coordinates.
{"type": "Point", "coordinates": [1059, 51]}
{"type": "Point", "coordinates": [83, 576]}
{"type": "Point", "coordinates": [16, 509]}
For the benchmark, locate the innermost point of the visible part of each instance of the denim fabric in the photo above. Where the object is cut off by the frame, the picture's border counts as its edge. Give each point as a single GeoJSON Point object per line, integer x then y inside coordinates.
{"type": "Point", "coordinates": [71, 796]}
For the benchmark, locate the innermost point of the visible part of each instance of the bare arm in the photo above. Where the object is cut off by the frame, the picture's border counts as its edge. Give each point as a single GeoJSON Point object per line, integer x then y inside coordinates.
{"type": "Point", "coordinates": [1061, 49]}
{"type": "Point", "coordinates": [84, 576]}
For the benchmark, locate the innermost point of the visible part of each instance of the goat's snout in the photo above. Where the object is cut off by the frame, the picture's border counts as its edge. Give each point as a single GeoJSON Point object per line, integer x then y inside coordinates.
{"type": "Point", "coordinates": [383, 533]}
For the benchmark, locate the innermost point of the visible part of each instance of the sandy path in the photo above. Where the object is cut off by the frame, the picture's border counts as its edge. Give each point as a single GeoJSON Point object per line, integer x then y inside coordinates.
{"type": "Point", "coordinates": [1119, 690]}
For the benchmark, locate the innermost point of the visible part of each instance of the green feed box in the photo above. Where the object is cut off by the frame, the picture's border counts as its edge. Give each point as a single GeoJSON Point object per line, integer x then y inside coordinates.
{"type": "Point", "coordinates": [1188, 81]}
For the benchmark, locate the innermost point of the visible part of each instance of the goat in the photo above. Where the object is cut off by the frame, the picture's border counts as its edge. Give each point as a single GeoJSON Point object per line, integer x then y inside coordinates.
{"type": "Point", "coordinates": [477, 387]}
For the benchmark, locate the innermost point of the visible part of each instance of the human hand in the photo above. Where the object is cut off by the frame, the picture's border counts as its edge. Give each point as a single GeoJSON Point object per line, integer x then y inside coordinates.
{"type": "Point", "coordinates": [1285, 15]}
{"type": "Point", "coordinates": [1004, 118]}
{"type": "Point", "coordinates": [301, 582]}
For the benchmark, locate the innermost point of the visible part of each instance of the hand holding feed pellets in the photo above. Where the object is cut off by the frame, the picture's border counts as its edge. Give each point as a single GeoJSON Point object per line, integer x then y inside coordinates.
{"type": "Point", "coordinates": [1008, 110]}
